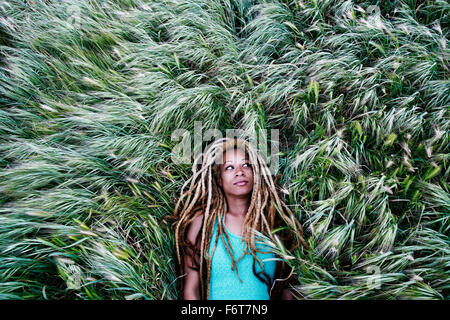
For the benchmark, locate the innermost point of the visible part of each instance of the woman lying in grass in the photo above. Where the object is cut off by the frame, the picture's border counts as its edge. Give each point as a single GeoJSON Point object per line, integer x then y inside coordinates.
{"type": "Point", "coordinates": [230, 196]}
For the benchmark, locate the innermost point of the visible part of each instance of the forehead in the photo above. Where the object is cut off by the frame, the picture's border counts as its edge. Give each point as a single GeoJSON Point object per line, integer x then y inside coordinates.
{"type": "Point", "coordinates": [236, 155]}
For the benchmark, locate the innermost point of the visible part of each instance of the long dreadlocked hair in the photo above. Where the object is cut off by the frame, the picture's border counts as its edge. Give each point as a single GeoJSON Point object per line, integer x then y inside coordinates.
{"type": "Point", "coordinates": [206, 197]}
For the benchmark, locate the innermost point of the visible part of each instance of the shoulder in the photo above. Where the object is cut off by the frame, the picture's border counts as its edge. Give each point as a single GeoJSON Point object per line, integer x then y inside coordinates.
{"type": "Point", "coordinates": [194, 227]}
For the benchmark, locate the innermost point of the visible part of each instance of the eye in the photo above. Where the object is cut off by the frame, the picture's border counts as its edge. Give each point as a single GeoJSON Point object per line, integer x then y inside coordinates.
{"type": "Point", "coordinates": [245, 164]}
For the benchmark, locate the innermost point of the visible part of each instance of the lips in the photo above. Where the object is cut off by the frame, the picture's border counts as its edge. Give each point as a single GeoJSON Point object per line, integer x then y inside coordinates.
{"type": "Point", "coordinates": [241, 183]}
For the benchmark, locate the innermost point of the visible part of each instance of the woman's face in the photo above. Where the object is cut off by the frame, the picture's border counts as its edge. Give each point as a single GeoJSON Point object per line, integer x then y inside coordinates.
{"type": "Point", "coordinates": [234, 169]}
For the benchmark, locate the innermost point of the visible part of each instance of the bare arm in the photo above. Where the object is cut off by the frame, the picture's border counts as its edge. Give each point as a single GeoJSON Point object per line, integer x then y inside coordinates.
{"type": "Point", "coordinates": [192, 279]}
{"type": "Point", "coordinates": [287, 295]}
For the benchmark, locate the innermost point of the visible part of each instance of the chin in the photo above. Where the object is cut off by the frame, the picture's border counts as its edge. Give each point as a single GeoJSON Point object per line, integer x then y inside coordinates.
{"type": "Point", "coordinates": [242, 192]}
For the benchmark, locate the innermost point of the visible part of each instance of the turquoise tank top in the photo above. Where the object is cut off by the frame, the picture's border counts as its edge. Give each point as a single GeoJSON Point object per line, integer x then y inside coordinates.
{"type": "Point", "coordinates": [224, 283]}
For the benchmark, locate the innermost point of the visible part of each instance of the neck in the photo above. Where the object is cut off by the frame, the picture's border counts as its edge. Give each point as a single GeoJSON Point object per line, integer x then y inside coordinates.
{"type": "Point", "coordinates": [238, 206]}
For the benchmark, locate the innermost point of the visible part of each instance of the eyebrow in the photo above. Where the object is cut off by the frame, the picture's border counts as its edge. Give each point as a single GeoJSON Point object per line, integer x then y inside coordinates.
{"type": "Point", "coordinates": [231, 161]}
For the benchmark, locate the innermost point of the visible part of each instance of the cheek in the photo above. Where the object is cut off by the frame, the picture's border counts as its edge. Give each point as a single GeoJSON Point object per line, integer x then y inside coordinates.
{"type": "Point", "coordinates": [225, 179]}
{"type": "Point", "coordinates": [250, 173]}
{"type": "Point", "coordinates": [228, 178]}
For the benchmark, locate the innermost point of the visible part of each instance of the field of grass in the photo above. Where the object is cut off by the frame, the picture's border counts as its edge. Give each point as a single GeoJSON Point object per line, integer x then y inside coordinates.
{"type": "Point", "coordinates": [91, 91]}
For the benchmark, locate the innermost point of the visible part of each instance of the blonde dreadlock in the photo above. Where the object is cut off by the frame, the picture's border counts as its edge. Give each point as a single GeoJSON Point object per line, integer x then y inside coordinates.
{"type": "Point", "coordinates": [261, 214]}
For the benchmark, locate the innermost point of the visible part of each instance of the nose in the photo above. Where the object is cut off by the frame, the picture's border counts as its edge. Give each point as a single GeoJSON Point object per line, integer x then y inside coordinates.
{"type": "Point", "coordinates": [239, 171]}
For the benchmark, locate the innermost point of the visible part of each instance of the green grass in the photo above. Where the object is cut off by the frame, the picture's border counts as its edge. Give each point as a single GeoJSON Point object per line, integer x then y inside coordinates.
{"type": "Point", "coordinates": [91, 91]}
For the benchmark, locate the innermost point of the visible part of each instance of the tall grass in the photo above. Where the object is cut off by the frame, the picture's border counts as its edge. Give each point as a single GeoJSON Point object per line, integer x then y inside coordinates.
{"type": "Point", "coordinates": [91, 92]}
